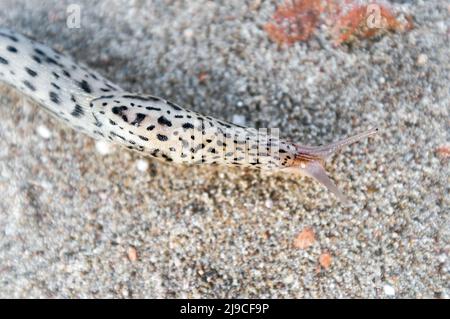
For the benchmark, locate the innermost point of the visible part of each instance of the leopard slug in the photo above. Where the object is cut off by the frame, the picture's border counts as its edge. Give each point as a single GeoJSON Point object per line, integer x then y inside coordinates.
{"type": "Point", "coordinates": [151, 125]}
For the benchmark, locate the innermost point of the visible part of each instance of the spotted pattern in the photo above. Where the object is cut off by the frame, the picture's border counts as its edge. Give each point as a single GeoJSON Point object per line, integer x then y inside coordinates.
{"type": "Point", "coordinates": [63, 87]}
{"type": "Point", "coordinates": [158, 128]}
{"type": "Point", "coordinates": [147, 124]}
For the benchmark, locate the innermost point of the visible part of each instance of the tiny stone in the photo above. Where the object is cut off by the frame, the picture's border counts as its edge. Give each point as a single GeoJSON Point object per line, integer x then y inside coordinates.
{"type": "Point", "coordinates": [289, 280]}
{"type": "Point", "coordinates": [422, 59]}
{"type": "Point", "coordinates": [44, 132]}
{"type": "Point", "coordinates": [142, 165]}
{"type": "Point", "coordinates": [104, 148]}
{"type": "Point", "coordinates": [132, 253]}
{"type": "Point", "coordinates": [442, 258]}
{"type": "Point", "coordinates": [188, 33]}
{"type": "Point", "coordinates": [389, 290]}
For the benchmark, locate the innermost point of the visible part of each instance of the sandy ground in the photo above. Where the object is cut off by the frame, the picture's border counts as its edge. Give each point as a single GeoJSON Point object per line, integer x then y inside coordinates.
{"type": "Point", "coordinates": [75, 223]}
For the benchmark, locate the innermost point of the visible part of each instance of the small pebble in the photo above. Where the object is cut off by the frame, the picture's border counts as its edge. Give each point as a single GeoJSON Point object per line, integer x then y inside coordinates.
{"type": "Point", "coordinates": [104, 148]}
{"type": "Point", "coordinates": [44, 132]}
{"type": "Point", "coordinates": [305, 238]}
{"type": "Point", "coordinates": [442, 258]}
{"type": "Point", "coordinates": [132, 253]}
{"type": "Point", "coordinates": [389, 290]}
{"type": "Point", "coordinates": [188, 33]}
{"type": "Point", "coordinates": [325, 260]}
{"type": "Point", "coordinates": [289, 280]}
{"type": "Point", "coordinates": [422, 59]}
{"type": "Point", "coordinates": [142, 165]}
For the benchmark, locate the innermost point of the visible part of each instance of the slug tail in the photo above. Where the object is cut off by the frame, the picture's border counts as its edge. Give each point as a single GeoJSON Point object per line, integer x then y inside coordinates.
{"type": "Point", "coordinates": [309, 160]}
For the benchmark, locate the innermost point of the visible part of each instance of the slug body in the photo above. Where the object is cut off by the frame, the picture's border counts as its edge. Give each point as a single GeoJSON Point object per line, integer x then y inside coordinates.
{"type": "Point", "coordinates": [147, 124]}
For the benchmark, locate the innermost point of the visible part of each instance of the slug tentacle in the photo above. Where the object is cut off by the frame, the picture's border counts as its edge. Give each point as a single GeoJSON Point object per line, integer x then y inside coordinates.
{"type": "Point", "coordinates": [309, 160]}
{"type": "Point", "coordinates": [325, 151]}
{"type": "Point", "coordinates": [316, 171]}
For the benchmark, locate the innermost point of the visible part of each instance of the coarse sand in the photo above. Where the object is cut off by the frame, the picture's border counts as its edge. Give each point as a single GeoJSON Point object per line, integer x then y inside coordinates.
{"type": "Point", "coordinates": [84, 220]}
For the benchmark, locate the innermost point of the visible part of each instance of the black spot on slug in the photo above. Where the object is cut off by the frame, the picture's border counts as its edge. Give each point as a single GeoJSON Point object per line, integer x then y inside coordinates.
{"type": "Point", "coordinates": [53, 61]}
{"type": "Point", "coordinates": [141, 98]}
{"type": "Point", "coordinates": [11, 37]}
{"type": "Point", "coordinates": [139, 118]}
{"type": "Point", "coordinates": [163, 121]}
{"type": "Point", "coordinates": [85, 86]}
{"type": "Point", "coordinates": [118, 109]}
{"type": "Point", "coordinates": [38, 51]}
{"type": "Point", "coordinates": [37, 59]}
{"type": "Point", "coordinates": [162, 138]}
{"type": "Point", "coordinates": [3, 61]}
{"type": "Point", "coordinates": [11, 49]}
{"type": "Point", "coordinates": [151, 108]}
{"type": "Point", "coordinates": [174, 106]}
{"type": "Point", "coordinates": [54, 97]}
{"type": "Point", "coordinates": [224, 124]}
{"type": "Point", "coordinates": [29, 85]}
{"type": "Point", "coordinates": [188, 126]}
{"type": "Point", "coordinates": [55, 86]}
{"type": "Point", "coordinates": [30, 72]}
{"type": "Point", "coordinates": [115, 134]}
{"type": "Point", "coordinates": [77, 111]}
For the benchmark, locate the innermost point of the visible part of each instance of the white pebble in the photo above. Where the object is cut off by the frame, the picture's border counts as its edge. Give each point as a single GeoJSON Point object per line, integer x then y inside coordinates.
{"type": "Point", "coordinates": [104, 148]}
{"type": "Point", "coordinates": [46, 185]}
{"type": "Point", "coordinates": [422, 59]}
{"type": "Point", "coordinates": [142, 165]}
{"type": "Point", "coordinates": [441, 26]}
{"type": "Point", "coordinates": [44, 132]}
{"type": "Point", "coordinates": [238, 119]}
{"type": "Point", "coordinates": [389, 290]}
{"type": "Point", "coordinates": [442, 258]}
{"type": "Point", "coordinates": [269, 203]}
{"type": "Point", "coordinates": [289, 280]}
{"type": "Point", "coordinates": [188, 33]}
